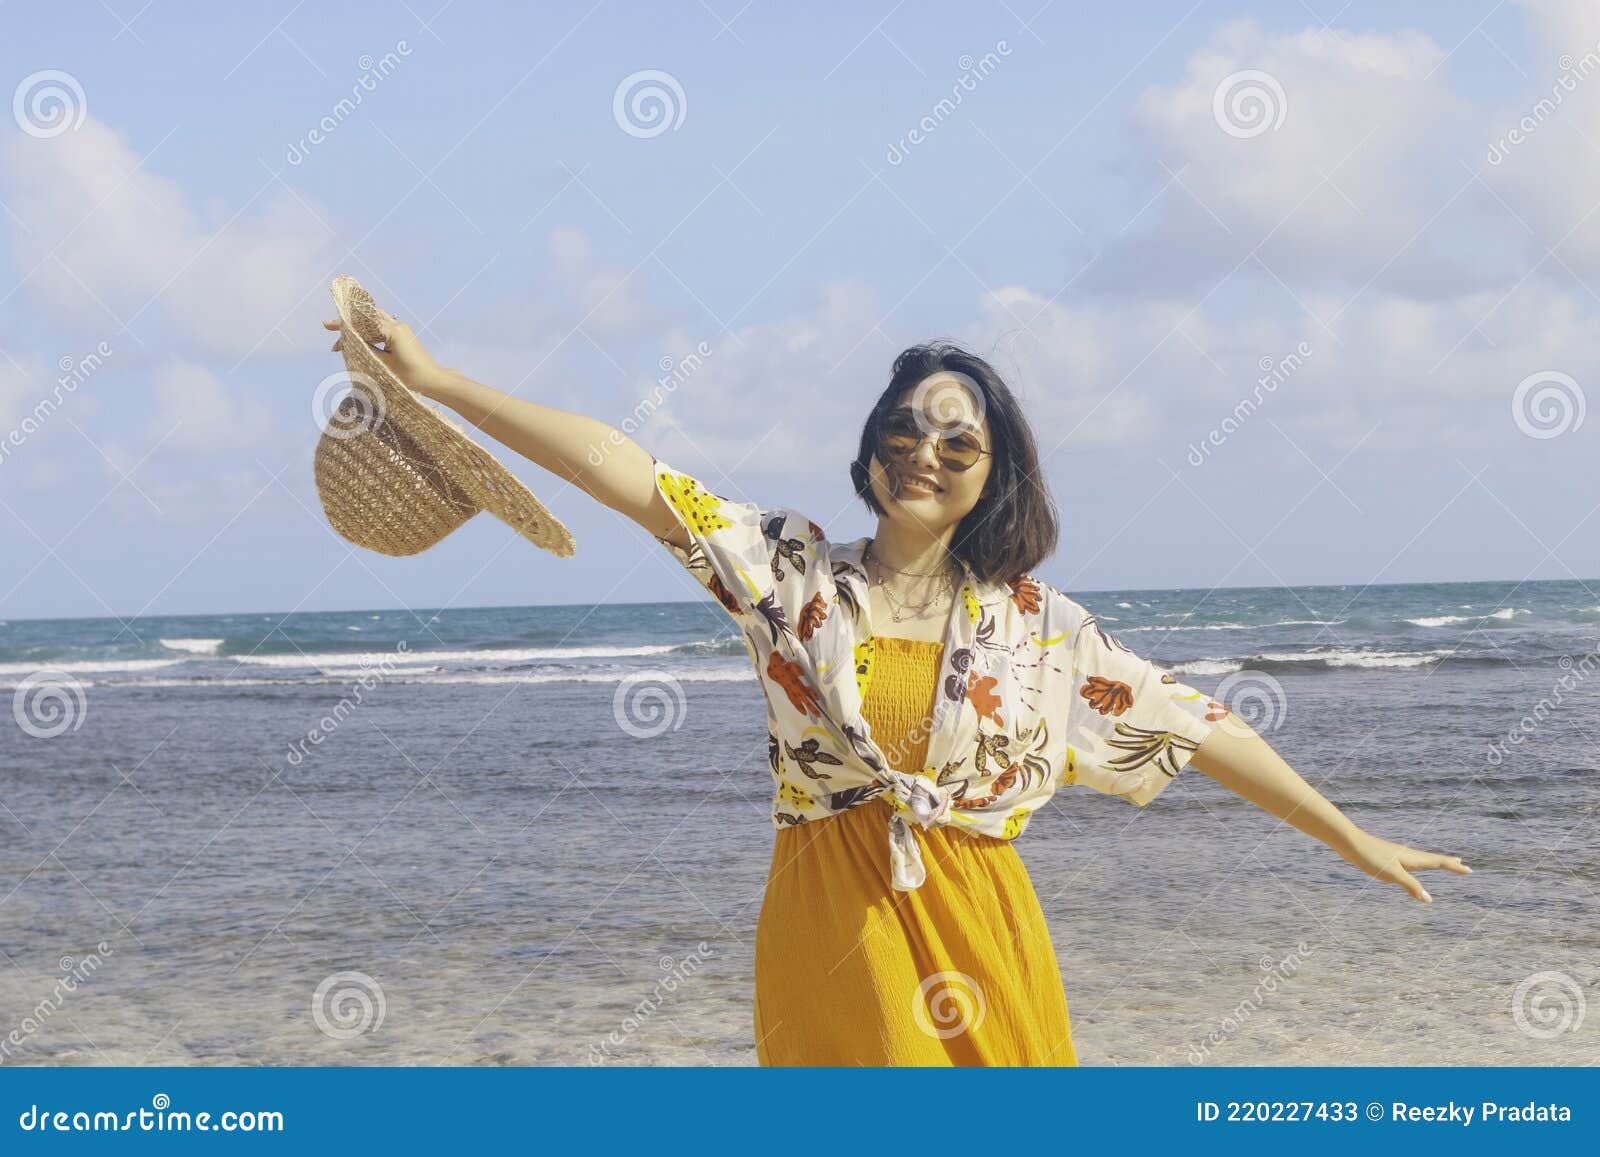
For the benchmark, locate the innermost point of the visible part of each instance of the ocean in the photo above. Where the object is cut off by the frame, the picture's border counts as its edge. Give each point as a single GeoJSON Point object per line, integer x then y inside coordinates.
{"type": "Point", "coordinates": [539, 835]}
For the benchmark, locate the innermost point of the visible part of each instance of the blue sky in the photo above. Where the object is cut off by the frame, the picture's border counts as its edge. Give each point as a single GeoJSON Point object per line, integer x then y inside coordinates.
{"type": "Point", "coordinates": [1128, 247]}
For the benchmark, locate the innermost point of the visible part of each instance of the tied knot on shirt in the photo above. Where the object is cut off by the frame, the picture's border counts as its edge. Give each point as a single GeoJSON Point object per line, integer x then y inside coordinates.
{"type": "Point", "coordinates": [929, 803]}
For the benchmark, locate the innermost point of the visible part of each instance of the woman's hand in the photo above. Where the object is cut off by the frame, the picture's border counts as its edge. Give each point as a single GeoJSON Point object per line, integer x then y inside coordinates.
{"type": "Point", "coordinates": [403, 354]}
{"type": "Point", "coordinates": [1393, 863]}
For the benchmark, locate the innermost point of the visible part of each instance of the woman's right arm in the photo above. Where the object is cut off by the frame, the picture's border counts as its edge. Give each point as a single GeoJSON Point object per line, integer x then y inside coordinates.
{"type": "Point", "coordinates": [597, 458]}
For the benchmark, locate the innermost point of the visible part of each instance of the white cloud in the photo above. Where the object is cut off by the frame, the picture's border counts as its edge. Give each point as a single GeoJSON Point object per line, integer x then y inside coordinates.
{"type": "Point", "coordinates": [196, 413]}
{"type": "Point", "coordinates": [782, 396]}
{"type": "Point", "coordinates": [104, 240]}
{"type": "Point", "coordinates": [1338, 189]}
{"type": "Point", "coordinates": [1541, 152]}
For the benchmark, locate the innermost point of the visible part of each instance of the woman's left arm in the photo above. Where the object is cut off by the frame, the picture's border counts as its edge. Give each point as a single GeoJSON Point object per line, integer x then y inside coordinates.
{"type": "Point", "coordinates": [1237, 757]}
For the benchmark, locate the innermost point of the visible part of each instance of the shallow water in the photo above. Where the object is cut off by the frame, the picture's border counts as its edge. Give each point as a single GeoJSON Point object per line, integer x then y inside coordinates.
{"type": "Point", "coordinates": [526, 882]}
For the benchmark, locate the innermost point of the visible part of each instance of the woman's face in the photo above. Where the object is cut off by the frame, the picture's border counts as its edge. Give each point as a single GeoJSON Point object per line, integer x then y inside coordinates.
{"type": "Point", "coordinates": [918, 489]}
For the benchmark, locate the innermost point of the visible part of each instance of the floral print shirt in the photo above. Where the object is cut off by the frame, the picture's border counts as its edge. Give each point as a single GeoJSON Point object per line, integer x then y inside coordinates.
{"type": "Point", "coordinates": [1033, 694]}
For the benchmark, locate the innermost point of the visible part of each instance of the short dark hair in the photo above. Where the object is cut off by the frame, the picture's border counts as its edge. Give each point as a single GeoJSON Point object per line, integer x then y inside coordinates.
{"type": "Point", "coordinates": [1014, 526]}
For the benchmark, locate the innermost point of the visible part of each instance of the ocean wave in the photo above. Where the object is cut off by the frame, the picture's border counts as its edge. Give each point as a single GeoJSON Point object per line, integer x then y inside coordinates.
{"type": "Point", "coordinates": [192, 646]}
{"type": "Point", "coordinates": [1505, 615]}
{"type": "Point", "coordinates": [1240, 626]}
{"type": "Point", "coordinates": [1315, 660]}
{"type": "Point", "coordinates": [207, 655]}
{"type": "Point", "coordinates": [1203, 627]}
{"type": "Point", "coordinates": [1205, 666]}
{"type": "Point", "coordinates": [420, 678]}
{"type": "Point", "coordinates": [73, 666]}
{"type": "Point", "coordinates": [487, 655]}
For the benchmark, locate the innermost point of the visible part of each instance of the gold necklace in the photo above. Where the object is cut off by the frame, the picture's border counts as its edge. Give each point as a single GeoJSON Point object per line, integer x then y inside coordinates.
{"type": "Point", "coordinates": [900, 611]}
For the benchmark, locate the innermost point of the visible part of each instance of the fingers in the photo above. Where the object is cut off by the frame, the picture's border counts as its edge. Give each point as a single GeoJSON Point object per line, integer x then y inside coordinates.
{"type": "Point", "coordinates": [1411, 884]}
{"type": "Point", "coordinates": [1417, 860]}
{"type": "Point", "coordinates": [334, 324]}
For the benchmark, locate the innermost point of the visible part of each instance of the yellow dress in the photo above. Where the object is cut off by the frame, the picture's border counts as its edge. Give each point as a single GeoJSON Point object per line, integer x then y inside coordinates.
{"type": "Point", "coordinates": [960, 971]}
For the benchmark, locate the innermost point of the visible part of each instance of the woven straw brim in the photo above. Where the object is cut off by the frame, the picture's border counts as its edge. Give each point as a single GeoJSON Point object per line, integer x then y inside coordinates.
{"type": "Point", "coordinates": [394, 475]}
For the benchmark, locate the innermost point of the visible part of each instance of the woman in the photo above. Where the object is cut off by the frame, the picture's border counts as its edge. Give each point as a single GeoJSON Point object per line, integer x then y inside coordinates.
{"type": "Point", "coordinates": [920, 684]}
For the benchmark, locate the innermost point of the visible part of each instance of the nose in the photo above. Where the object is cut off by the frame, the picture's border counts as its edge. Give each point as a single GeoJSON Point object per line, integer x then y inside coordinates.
{"type": "Point", "coordinates": [924, 456]}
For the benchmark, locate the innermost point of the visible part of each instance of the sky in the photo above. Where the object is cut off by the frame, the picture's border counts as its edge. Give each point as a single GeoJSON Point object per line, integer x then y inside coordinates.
{"type": "Point", "coordinates": [1292, 293]}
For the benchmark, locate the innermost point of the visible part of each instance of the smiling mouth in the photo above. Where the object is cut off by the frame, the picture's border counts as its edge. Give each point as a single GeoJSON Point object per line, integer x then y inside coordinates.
{"type": "Point", "coordinates": [916, 486]}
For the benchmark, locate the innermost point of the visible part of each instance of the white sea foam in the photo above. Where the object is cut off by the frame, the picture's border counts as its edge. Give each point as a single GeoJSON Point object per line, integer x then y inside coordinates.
{"type": "Point", "coordinates": [192, 646]}
{"type": "Point", "coordinates": [1505, 614]}
{"type": "Point", "coordinates": [490, 657]}
{"type": "Point", "coordinates": [1206, 666]}
{"type": "Point", "coordinates": [73, 666]}
{"type": "Point", "coordinates": [1200, 627]}
{"type": "Point", "coordinates": [476, 678]}
{"type": "Point", "coordinates": [1357, 658]}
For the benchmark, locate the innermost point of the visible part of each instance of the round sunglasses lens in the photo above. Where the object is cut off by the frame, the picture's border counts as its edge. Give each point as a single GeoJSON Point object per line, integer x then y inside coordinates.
{"type": "Point", "coordinates": [899, 434]}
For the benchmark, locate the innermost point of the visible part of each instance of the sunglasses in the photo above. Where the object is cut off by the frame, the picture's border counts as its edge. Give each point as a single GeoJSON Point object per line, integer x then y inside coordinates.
{"type": "Point", "coordinates": [899, 434]}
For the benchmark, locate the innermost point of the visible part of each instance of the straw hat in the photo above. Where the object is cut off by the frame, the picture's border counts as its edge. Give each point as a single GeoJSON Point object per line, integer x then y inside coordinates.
{"type": "Point", "coordinates": [394, 475]}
